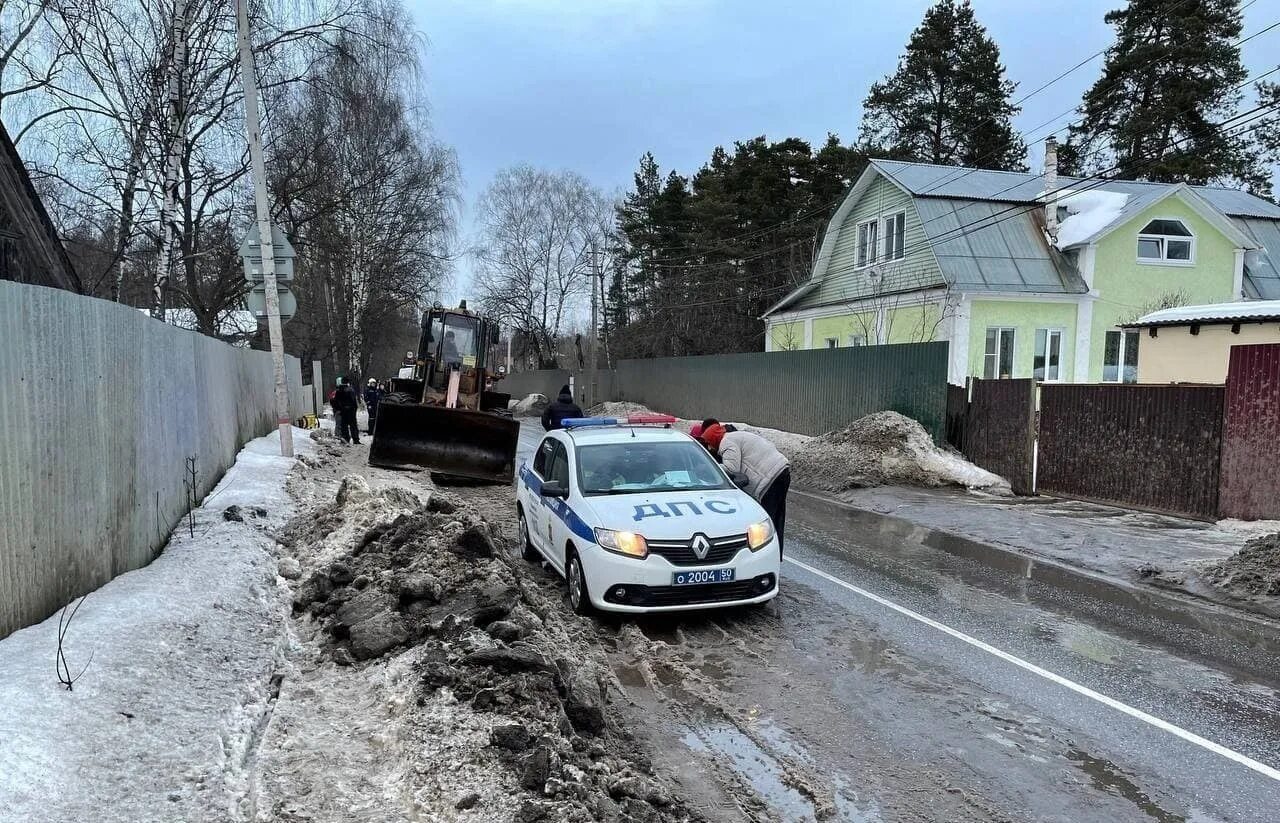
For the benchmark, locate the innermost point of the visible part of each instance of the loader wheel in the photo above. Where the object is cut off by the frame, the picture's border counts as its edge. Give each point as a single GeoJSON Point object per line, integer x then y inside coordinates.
{"type": "Point", "coordinates": [527, 550]}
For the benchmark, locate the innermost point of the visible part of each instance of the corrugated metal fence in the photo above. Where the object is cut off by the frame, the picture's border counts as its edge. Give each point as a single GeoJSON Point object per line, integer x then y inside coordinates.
{"type": "Point", "coordinates": [101, 406]}
{"type": "Point", "coordinates": [998, 428]}
{"type": "Point", "coordinates": [1251, 434]}
{"type": "Point", "coordinates": [1146, 446]}
{"type": "Point", "coordinates": [810, 392]}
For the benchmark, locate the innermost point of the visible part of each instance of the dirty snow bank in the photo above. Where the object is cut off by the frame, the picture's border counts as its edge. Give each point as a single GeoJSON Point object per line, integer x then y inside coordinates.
{"type": "Point", "coordinates": [789, 443]}
{"type": "Point", "coordinates": [181, 656]}
{"type": "Point", "coordinates": [441, 683]}
{"type": "Point", "coordinates": [531, 406]}
{"type": "Point", "coordinates": [885, 449]}
{"type": "Point", "coordinates": [1088, 212]}
{"type": "Point", "coordinates": [1252, 572]}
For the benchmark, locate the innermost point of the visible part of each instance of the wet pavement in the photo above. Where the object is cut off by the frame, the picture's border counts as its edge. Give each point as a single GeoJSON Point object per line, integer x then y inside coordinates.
{"type": "Point", "coordinates": [891, 680]}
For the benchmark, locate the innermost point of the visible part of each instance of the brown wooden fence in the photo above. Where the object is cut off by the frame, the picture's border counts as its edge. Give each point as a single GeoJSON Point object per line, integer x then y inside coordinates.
{"type": "Point", "coordinates": [1146, 446]}
{"type": "Point", "coordinates": [996, 428]}
{"type": "Point", "coordinates": [1251, 434]}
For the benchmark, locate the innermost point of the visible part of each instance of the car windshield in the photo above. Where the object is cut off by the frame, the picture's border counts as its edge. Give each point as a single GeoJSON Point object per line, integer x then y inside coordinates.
{"type": "Point", "coordinates": [639, 466]}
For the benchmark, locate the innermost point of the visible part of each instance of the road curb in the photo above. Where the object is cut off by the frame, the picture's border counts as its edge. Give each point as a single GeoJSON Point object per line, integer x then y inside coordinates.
{"type": "Point", "coordinates": [1207, 615]}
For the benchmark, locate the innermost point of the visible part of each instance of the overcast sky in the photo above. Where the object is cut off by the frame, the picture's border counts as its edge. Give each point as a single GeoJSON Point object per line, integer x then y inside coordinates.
{"type": "Point", "coordinates": [590, 85]}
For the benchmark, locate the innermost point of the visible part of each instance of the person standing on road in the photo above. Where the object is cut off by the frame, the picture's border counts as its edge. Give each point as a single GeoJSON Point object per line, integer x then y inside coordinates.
{"type": "Point", "coordinates": [767, 471]}
{"type": "Point", "coordinates": [562, 409]}
{"type": "Point", "coordinates": [372, 399]}
{"type": "Point", "coordinates": [345, 403]}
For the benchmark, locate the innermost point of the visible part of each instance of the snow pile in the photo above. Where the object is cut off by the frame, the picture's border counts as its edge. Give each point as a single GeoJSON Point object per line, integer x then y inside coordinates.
{"type": "Point", "coordinates": [476, 696]}
{"type": "Point", "coordinates": [1251, 572]}
{"type": "Point", "coordinates": [618, 408]}
{"type": "Point", "coordinates": [181, 658]}
{"type": "Point", "coordinates": [531, 406]}
{"type": "Point", "coordinates": [789, 443]}
{"type": "Point", "coordinates": [885, 449]}
{"type": "Point", "coordinates": [1088, 212]}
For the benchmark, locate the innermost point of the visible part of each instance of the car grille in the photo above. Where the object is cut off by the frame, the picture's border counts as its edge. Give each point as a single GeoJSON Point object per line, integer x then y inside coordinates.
{"type": "Point", "coordinates": [657, 596]}
{"type": "Point", "coordinates": [680, 552]}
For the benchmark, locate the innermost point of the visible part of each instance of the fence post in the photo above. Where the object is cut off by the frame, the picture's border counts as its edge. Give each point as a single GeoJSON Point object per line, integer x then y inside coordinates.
{"type": "Point", "coordinates": [317, 385]}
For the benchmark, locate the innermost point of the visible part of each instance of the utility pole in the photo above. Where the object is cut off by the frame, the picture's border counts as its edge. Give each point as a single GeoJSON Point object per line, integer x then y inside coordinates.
{"type": "Point", "coordinates": [591, 362]}
{"type": "Point", "coordinates": [258, 171]}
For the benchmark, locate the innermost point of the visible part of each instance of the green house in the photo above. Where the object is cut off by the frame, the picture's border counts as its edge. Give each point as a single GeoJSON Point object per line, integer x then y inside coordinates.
{"type": "Point", "coordinates": [1024, 283]}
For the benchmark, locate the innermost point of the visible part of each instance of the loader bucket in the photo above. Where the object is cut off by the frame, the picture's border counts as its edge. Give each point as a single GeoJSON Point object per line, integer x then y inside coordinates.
{"type": "Point", "coordinates": [457, 442]}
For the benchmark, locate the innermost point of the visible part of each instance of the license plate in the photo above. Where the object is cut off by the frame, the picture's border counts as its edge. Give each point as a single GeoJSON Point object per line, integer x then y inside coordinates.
{"type": "Point", "coordinates": [700, 577]}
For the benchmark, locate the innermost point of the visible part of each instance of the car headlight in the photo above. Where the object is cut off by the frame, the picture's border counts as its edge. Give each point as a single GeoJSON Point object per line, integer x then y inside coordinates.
{"type": "Point", "coordinates": [759, 534]}
{"type": "Point", "coordinates": [628, 543]}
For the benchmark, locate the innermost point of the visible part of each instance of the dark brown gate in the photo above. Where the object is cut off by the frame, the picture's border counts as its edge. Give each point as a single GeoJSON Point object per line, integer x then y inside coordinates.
{"type": "Point", "coordinates": [999, 430]}
{"type": "Point", "coordinates": [1251, 434]}
{"type": "Point", "coordinates": [1147, 447]}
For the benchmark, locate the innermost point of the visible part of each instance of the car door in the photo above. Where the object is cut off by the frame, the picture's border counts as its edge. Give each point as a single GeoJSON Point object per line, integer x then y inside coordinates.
{"type": "Point", "coordinates": [536, 512]}
{"type": "Point", "coordinates": [557, 533]}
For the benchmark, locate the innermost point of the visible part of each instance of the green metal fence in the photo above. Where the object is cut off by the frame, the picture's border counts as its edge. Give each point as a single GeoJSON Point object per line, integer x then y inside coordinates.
{"type": "Point", "coordinates": [810, 392]}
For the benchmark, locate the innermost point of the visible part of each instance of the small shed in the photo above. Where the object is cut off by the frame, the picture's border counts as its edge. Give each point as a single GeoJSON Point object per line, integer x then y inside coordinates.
{"type": "Point", "coordinates": [1192, 344]}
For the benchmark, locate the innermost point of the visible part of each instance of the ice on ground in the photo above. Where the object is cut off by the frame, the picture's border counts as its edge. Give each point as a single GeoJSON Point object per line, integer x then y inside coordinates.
{"type": "Point", "coordinates": [886, 449]}
{"type": "Point", "coordinates": [181, 656]}
{"type": "Point", "coordinates": [1088, 212]}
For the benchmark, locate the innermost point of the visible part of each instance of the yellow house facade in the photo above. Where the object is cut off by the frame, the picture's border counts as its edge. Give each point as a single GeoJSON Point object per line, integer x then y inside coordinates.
{"type": "Point", "coordinates": [1192, 344]}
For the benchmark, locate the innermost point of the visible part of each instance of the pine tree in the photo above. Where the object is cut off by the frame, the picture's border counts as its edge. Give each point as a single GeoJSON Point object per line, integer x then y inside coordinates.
{"type": "Point", "coordinates": [948, 101]}
{"type": "Point", "coordinates": [1168, 83]}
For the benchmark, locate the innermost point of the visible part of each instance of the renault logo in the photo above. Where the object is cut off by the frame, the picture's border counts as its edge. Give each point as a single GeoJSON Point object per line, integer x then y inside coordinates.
{"type": "Point", "coordinates": [700, 545]}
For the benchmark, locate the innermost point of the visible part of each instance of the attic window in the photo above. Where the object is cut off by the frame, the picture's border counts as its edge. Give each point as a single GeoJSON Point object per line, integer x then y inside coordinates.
{"type": "Point", "coordinates": [1166, 241]}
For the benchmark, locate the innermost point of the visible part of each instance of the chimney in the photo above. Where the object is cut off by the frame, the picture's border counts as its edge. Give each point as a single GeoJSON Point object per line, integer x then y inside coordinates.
{"type": "Point", "coordinates": [1050, 184]}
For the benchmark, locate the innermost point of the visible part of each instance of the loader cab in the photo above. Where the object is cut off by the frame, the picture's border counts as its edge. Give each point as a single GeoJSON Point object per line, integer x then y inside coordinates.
{"type": "Point", "coordinates": [454, 341]}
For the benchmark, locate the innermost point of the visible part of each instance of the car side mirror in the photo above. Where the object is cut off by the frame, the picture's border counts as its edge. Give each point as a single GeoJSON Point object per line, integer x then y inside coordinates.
{"type": "Point", "coordinates": [554, 489]}
{"type": "Point", "coordinates": [739, 479]}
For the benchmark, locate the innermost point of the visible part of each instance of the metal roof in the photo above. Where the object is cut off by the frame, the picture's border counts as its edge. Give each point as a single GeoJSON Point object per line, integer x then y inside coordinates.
{"type": "Point", "coordinates": [1261, 268]}
{"type": "Point", "coordinates": [926, 180]}
{"type": "Point", "coordinates": [1251, 311]}
{"type": "Point", "coordinates": [792, 297]}
{"type": "Point", "coordinates": [1001, 250]}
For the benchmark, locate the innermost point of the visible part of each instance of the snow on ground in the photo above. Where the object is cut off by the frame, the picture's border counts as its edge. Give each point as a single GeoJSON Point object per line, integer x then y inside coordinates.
{"type": "Point", "coordinates": [152, 731]}
{"type": "Point", "coordinates": [1088, 212]}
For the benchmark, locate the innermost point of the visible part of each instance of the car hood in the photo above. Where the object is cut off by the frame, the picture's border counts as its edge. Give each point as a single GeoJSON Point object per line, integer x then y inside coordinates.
{"type": "Point", "coordinates": [677, 515]}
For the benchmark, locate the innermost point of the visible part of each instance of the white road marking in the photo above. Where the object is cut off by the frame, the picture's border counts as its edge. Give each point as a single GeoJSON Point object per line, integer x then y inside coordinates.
{"type": "Point", "coordinates": [1164, 725]}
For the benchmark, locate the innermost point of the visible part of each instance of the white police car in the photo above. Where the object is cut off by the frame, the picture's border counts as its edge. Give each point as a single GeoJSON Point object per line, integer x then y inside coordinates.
{"type": "Point", "coordinates": [638, 517]}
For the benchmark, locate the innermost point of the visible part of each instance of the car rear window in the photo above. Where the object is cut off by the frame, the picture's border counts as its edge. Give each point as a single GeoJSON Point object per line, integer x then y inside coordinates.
{"type": "Point", "coordinates": [632, 467]}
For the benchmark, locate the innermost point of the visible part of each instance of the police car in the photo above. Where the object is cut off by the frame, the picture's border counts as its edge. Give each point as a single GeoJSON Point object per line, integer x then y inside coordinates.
{"type": "Point", "coordinates": [638, 517]}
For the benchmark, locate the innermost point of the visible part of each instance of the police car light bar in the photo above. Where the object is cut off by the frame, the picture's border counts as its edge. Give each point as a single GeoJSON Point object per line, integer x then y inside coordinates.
{"type": "Point", "coordinates": [631, 420]}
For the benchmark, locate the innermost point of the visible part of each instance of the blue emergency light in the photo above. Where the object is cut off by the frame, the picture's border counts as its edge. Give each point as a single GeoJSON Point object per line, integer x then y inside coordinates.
{"type": "Point", "coordinates": [631, 420]}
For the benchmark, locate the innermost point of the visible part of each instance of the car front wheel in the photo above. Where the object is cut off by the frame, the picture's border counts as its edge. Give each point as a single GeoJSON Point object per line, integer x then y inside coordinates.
{"type": "Point", "coordinates": [578, 597]}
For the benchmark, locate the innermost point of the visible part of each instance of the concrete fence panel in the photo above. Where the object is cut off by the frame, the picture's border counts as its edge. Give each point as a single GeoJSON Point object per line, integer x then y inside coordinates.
{"type": "Point", "coordinates": [101, 407]}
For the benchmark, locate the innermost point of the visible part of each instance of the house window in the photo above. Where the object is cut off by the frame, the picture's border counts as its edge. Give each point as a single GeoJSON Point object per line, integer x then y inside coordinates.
{"type": "Point", "coordinates": [1120, 357]}
{"type": "Point", "coordinates": [832, 342]}
{"type": "Point", "coordinates": [857, 340]}
{"type": "Point", "coordinates": [1048, 361]}
{"type": "Point", "coordinates": [895, 230]}
{"type": "Point", "coordinates": [867, 243]}
{"type": "Point", "coordinates": [1166, 241]}
{"type": "Point", "coordinates": [998, 360]}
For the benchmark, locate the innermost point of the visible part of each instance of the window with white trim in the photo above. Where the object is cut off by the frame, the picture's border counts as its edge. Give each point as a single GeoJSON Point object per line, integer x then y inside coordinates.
{"type": "Point", "coordinates": [832, 342]}
{"type": "Point", "coordinates": [1165, 240]}
{"type": "Point", "coordinates": [867, 238]}
{"type": "Point", "coordinates": [857, 340]}
{"type": "Point", "coordinates": [895, 235]}
{"type": "Point", "coordinates": [1047, 365]}
{"type": "Point", "coordinates": [1120, 357]}
{"type": "Point", "coordinates": [997, 360]}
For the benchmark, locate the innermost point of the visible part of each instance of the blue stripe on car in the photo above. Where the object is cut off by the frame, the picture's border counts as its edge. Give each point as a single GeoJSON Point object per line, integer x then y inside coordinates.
{"type": "Point", "coordinates": [559, 508]}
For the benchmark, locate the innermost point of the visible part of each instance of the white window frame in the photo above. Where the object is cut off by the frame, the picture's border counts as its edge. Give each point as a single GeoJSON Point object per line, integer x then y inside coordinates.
{"type": "Point", "coordinates": [1013, 351]}
{"type": "Point", "coordinates": [832, 342]}
{"type": "Point", "coordinates": [1163, 240]}
{"type": "Point", "coordinates": [1048, 332]}
{"type": "Point", "coordinates": [872, 247]}
{"type": "Point", "coordinates": [888, 228]}
{"type": "Point", "coordinates": [1124, 338]}
{"type": "Point", "coordinates": [857, 340]}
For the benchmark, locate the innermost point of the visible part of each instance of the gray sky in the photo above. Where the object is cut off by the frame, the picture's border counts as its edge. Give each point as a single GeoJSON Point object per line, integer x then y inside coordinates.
{"type": "Point", "coordinates": [590, 85]}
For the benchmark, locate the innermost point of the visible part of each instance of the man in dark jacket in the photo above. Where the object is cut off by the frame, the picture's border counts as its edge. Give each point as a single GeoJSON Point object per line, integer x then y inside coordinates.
{"type": "Point", "coordinates": [372, 399]}
{"type": "Point", "coordinates": [345, 403]}
{"type": "Point", "coordinates": [562, 408]}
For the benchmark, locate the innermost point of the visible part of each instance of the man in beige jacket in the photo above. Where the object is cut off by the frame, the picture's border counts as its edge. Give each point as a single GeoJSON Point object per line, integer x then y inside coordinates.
{"type": "Point", "coordinates": [767, 471]}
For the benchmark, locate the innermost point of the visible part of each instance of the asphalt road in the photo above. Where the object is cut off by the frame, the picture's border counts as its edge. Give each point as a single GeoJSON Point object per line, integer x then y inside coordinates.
{"type": "Point", "coordinates": [893, 681]}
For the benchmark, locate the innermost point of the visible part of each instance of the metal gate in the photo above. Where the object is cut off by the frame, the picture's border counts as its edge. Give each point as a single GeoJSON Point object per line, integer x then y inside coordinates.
{"type": "Point", "coordinates": [1148, 447]}
{"type": "Point", "coordinates": [1251, 434]}
{"type": "Point", "coordinates": [998, 430]}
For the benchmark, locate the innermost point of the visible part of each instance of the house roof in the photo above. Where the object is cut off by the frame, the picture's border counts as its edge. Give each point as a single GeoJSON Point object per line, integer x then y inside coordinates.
{"type": "Point", "coordinates": [1249, 311]}
{"type": "Point", "coordinates": [30, 219]}
{"type": "Point", "coordinates": [1261, 267]}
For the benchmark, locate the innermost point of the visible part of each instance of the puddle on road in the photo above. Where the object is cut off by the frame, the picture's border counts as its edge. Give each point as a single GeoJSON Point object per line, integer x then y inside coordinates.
{"type": "Point", "coordinates": [767, 776]}
{"type": "Point", "coordinates": [1107, 776]}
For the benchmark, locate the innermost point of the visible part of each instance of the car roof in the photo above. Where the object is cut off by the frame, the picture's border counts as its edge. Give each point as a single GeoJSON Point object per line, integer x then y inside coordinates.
{"type": "Point", "coordinates": [620, 434]}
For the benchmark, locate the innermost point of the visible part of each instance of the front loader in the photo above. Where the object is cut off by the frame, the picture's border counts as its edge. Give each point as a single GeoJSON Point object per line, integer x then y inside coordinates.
{"type": "Point", "coordinates": [440, 414]}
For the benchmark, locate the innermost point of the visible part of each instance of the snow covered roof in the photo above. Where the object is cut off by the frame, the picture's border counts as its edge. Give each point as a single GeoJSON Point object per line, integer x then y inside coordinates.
{"type": "Point", "coordinates": [1245, 311]}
